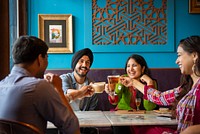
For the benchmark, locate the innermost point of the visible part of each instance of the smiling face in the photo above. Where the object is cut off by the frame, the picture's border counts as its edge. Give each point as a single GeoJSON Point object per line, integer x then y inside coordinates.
{"type": "Point", "coordinates": [83, 66]}
{"type": "Point", "coordinates": [185, 61]}
{"type": "Point", "coordinates": [134, 70]}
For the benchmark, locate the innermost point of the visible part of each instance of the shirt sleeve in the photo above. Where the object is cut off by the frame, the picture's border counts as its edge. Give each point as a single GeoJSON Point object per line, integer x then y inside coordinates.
{"type": "Point", "coordinates": [51, 107]}
{"type": "Point", "coordinates": [161, 98]}
{"type": "Point", "coordinates": [66, 82]}
{"type": "Point", "coordinates": [148, 105]}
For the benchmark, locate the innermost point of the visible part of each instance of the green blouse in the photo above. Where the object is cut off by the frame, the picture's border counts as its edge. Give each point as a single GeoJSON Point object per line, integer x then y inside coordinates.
{"type": "Point", "coordinates": [124, 96]}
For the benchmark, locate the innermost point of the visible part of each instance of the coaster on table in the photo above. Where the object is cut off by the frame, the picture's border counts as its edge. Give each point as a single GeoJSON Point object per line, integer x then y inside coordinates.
{"type": "Point", "coordinates": [163, 111]}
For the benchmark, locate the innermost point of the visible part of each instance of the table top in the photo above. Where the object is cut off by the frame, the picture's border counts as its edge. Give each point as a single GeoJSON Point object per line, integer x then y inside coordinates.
{"type": "Point", "coordinates": [92, 119]}
{"type": "Point", "coordinates": [89, 119]}
{"type": "Point", "coordinates": [149, 118]}
{"type": "Point", "coordinates": [122, 118]}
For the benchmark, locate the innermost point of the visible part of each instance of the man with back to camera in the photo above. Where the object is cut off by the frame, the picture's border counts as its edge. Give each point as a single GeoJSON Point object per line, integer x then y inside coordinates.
{"type": "Point", "coordinates": [73, 83]}
{"type": "Point", "coordinates": [26, 97]}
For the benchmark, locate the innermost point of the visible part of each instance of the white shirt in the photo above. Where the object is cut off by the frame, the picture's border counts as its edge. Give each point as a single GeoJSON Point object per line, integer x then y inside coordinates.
{"type": "Point", "coordinates": [75, 104]}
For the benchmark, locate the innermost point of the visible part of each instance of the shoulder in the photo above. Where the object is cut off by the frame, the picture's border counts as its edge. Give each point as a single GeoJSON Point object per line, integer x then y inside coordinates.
{"type": "Point", "coordinates": [42, 85]}
{"type": "Point", "coordinates": [37, 87]}
{"type": "Point", "coordinates": [34, 81]}
{"type": "Point", "coordinates": [44, 89]}
{"type": "Point", "coordinates": [67, 77]}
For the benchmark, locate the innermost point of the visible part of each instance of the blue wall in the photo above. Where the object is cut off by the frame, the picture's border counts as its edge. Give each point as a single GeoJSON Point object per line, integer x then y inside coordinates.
{"type": "Point", "coordinates": [185, 25]}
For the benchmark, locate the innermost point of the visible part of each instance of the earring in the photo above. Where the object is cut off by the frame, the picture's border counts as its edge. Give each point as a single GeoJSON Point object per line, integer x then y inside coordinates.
{"type": "Point", "coordinates": [194, 65]}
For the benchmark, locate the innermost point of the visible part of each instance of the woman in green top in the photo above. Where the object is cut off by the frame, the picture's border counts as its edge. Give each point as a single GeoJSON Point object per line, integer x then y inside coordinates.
{"type": "Point", "coordinates": [125, 97]}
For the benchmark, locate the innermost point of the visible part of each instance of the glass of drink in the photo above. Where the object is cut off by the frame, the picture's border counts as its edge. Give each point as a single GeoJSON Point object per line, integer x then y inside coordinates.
{"type": "Point", "coordinates": [138, 102]}
{"type": "Point", "coordinates": [112, 81]}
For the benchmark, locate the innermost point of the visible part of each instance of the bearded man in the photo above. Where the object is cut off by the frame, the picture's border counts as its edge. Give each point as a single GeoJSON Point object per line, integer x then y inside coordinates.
{"type": "Point", "coordinates": [76, 85]}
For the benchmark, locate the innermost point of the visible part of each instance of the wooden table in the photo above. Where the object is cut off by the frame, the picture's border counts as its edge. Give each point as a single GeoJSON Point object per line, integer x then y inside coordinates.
{"type": "Point", "coordinates": [89, 119]}
{"type": "Point", "coordinates": [116, 118]}
{"type": "Point", "coordinates": [129, 119]}
{"type": "Point", "coordinates": [92, 119]}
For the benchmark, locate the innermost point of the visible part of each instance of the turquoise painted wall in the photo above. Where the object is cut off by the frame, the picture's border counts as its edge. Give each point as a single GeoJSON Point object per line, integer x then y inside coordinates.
{"type": "Point", "coordinates": [185, 25]}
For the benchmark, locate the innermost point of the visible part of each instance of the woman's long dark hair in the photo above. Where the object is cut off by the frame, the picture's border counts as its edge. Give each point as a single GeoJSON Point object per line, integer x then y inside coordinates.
{"type": "Point", "coordinates": [140, 60]}
{"type": "Point", "coordinates": [190, 44]}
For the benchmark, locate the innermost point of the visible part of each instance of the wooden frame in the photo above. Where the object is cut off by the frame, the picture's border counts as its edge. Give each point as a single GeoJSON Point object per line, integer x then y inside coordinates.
{"type": "Point", "coordinates": [194, 6]}
{"type": "Point", "coordinates": [56, 31]}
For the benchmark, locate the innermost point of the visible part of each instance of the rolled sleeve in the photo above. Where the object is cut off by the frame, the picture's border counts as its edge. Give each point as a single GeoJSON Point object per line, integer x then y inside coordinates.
{"type": "Point", "coordinates": [145, 92]}
{"type": "Point", "coordinates": [66, 82]}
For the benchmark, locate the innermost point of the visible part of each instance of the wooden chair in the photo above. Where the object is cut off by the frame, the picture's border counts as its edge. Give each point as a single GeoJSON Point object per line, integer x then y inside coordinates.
{"type": "Point", "coordinates": [17, 127]}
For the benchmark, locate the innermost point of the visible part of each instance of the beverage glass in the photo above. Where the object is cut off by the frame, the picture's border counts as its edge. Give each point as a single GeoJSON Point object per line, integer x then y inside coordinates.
{"type": "Point", "coordinates": [112, 81]}
{"type": "Point", "coordinates": [138, 102]}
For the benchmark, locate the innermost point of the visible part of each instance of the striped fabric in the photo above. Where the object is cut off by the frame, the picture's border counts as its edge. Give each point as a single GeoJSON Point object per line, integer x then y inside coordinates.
{"type": "Point", "coordinates": [185, 108]}
{"type": "Point", "coordinates": [161, 98]}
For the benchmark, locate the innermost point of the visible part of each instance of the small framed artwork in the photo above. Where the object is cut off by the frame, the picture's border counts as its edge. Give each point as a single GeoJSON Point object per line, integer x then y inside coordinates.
{"type": "Point", "coordinates": [194, 6]}
{"type": "Point", "coordinates": [56, 31]}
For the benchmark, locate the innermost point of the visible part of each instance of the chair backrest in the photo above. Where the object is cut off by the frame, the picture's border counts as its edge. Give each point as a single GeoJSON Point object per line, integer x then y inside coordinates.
{"type": "Point", "coordinates": [17, 127]}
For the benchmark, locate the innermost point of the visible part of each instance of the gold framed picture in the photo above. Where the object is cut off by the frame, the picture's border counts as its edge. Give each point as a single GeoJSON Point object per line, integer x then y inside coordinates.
{"type": "Point", "coordinates": [194, 6]}
{"type": "Point", "coordinates": [56, 31]}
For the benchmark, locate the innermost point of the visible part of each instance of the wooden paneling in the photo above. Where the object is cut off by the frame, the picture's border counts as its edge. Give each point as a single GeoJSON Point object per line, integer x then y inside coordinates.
{"type": "Point", "coordinates": [22, 17]}
{"type": "Point", "coordinates": [4, 38]}
{"type": "Point", "coordinates": [4, 34]}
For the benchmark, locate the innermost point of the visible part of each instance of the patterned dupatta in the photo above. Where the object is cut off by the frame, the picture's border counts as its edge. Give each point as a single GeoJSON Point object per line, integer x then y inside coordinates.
{"type": "Point", "coordinates": [185, 109]}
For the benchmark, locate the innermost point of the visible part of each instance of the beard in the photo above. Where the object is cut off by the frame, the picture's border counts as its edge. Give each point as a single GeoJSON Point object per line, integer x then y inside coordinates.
{"type": "Point", "coordinates": [79, 74]}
